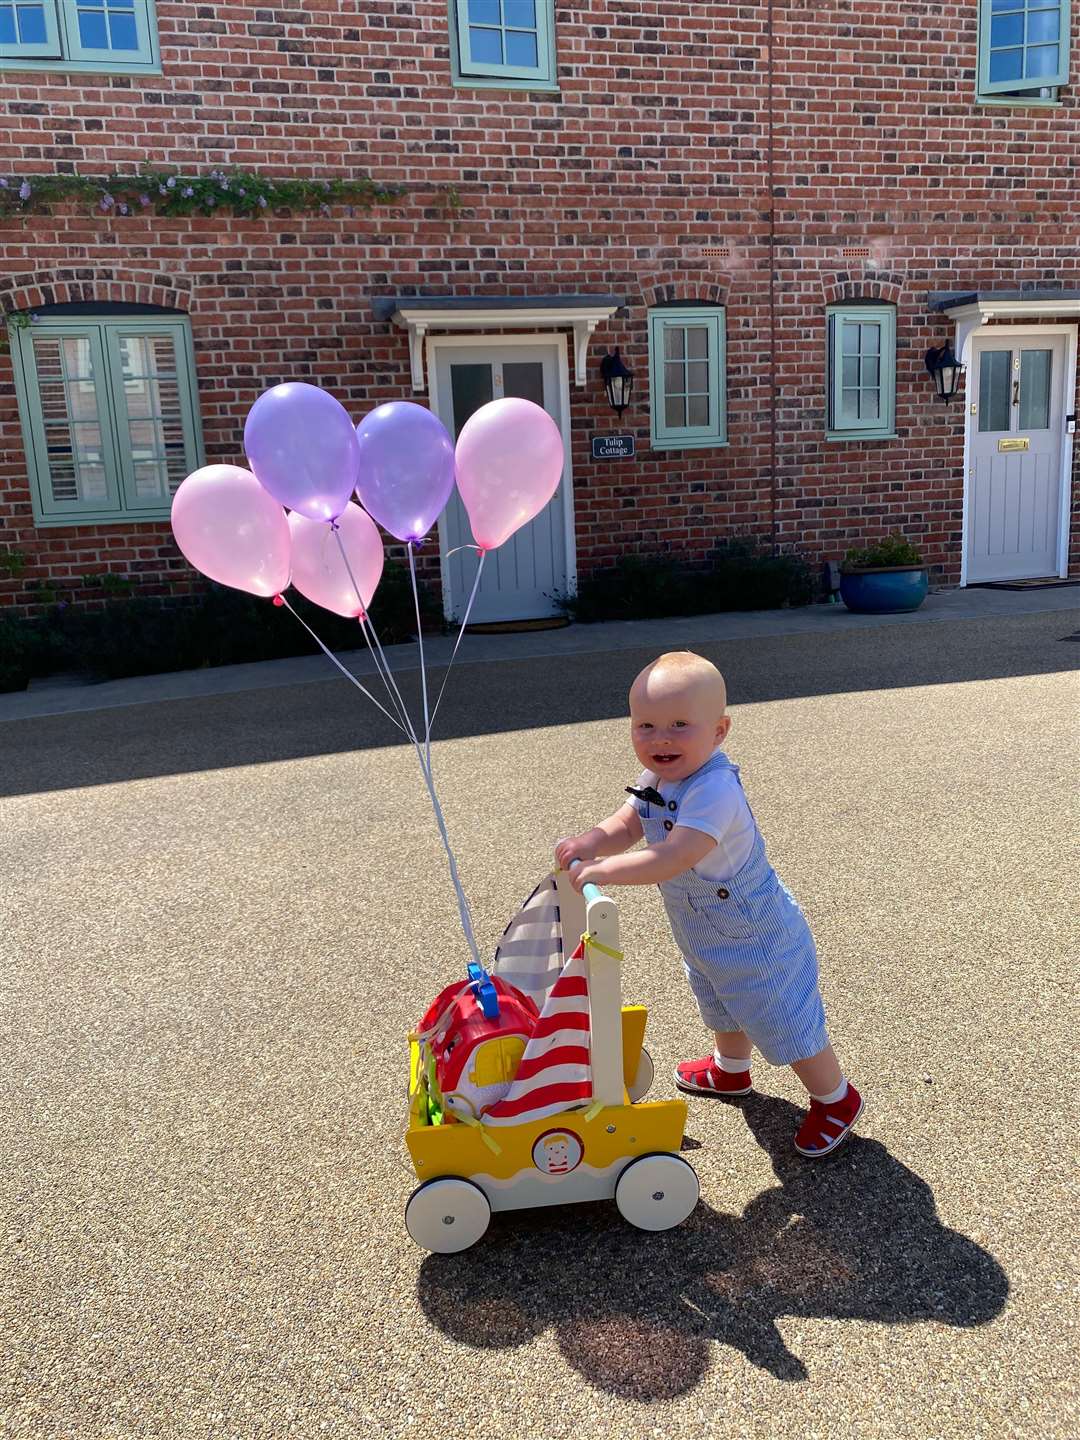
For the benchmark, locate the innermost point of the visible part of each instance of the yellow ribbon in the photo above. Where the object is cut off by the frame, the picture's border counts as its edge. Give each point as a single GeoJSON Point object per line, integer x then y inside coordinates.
{"type": "Point", "coordinates": [470, 1120]}
{"type": "Point", "coordinates": [591, 940]}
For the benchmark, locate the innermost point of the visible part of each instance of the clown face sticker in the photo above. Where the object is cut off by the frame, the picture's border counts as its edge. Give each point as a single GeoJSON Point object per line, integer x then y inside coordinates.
{"type": "Point", "coordinates": [557, 1152]}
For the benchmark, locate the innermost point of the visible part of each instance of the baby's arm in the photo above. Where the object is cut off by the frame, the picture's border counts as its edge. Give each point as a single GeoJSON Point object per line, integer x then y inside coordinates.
{"type": "Point", "coordinates": [611, 837]}
{"type": "Point", "coordinates": [679, 851]}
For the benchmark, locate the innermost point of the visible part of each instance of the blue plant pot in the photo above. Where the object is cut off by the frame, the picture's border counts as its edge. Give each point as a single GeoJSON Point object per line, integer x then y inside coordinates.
{"type": "Point", "coordinates": [884, 592]}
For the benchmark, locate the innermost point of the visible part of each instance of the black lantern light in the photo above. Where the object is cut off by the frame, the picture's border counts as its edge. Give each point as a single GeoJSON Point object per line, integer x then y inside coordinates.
{"type": "Point", "coordinates": [945, 369]}
{"type": "Point", "coordinates": [618, 381]}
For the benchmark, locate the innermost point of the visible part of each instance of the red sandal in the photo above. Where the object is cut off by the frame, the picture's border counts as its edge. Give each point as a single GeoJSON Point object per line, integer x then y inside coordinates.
{"type": "Point", "coordinates": [704, 1077]}
{"type": "Point", "coordinates": [826, 1127]}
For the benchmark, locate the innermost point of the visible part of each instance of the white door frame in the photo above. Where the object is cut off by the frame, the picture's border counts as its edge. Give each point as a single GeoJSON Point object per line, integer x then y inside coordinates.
{"type": "Point", "coordinates": [1019, 333]}
{"type": "Point", "coordinates": [557, 342]}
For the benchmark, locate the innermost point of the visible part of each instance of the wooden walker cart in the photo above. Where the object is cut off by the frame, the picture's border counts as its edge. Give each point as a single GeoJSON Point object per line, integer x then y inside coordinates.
{"type": "Point", "coordinates": [611, 1145]}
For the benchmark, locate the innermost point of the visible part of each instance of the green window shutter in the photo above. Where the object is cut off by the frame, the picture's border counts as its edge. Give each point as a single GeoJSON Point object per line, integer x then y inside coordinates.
{"type": "Point", "coordinates": [506, 39]}
{"type": "Point", "coordinates": [687, 378]}
{"type": "Point", "coordinates": [153, 405]}
{"type": "Point", "coordinates": [67, 422]}
{"type": "Point", "coordinates": [1023, 45]}
{"type": "Point", "coordinates": [113, 31]}
{"type": "Point", "coordinates": [861, 371]}
{"type": "Point", "coordinates": [110, 416]}
{"type": "Point", "coordinates": [29, 31]}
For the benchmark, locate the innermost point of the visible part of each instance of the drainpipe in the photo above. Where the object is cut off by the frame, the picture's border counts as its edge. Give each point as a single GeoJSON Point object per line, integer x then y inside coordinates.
{"type": "Point", "coordinates": [771, 175]}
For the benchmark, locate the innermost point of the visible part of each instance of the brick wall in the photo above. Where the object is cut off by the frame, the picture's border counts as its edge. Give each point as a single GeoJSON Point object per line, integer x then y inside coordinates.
{"type": "Point", "coordinates": [655, 148]}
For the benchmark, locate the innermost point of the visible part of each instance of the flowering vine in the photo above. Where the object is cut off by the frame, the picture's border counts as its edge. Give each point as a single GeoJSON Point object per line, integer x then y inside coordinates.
{"type": "Point", "coordinates": [164, 192]}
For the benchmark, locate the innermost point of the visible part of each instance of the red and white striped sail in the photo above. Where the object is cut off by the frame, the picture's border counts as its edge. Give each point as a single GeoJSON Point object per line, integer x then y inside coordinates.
{"type": "Point", "coordinates": [555, 1073]}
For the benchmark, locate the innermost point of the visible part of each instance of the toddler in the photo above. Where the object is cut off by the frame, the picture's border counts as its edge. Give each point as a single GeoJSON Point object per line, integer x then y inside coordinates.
{"type": "Point", "coordinates": [748, 951]}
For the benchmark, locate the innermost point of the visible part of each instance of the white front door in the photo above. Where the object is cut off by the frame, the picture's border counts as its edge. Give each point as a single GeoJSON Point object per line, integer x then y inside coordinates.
{"type": "Point", "coordinates": [521, 577]}
{"type": "Point", "coordinates": [1017, 417]}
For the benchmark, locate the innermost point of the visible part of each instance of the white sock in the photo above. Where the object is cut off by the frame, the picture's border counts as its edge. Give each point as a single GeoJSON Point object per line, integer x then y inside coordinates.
{"type": "Point", "coordinates": [732, 1066]}
{"type": "Point", "coordinates": [833, 1095]}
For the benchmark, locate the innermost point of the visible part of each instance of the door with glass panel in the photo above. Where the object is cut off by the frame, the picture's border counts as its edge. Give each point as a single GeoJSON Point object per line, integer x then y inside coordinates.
{"type": "Point", "coordinates": [521, 577]}
{"type": "Point", "coordinates": [1016, 390]}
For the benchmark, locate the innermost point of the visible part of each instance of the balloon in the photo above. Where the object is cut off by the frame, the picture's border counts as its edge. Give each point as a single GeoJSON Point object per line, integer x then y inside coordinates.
{"type": "Point", "coordinates": [509, 462]}
{"type": "Point", "coordinates": [318, 570]}
{"type": "Point", "coordinates": [229, 528]}
{"type": "Point", "coordinates": [301, 444]}
{"type": "Point", "coordinates": [406, 467]}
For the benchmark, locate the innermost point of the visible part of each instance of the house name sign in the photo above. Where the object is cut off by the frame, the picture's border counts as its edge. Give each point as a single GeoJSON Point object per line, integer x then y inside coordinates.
{"type": "Point", "coordinates": [612, 447]}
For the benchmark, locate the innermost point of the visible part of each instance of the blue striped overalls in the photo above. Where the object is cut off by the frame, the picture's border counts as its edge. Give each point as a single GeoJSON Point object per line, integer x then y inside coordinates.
{"type": "Point", "coordinates": [748, 951]}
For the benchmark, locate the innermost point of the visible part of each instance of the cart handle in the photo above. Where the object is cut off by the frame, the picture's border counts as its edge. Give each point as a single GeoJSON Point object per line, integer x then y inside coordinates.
{"type": "Point", "coordinates": [589, 892]}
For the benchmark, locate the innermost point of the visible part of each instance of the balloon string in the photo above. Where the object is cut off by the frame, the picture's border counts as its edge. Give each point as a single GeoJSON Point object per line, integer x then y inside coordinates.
{"type": "Point", "coordinates": [347, 673]}
{"type": "Point", "coordinates": [461, 632]}
{"type": "Point", "coordinates": [468, 546]}
{"type": "Point", "coordinates": [382, 665]}
{"type": "Point", "coordinates": [394, 693]}
{"type": "Point", "coordinates": [423, 668]}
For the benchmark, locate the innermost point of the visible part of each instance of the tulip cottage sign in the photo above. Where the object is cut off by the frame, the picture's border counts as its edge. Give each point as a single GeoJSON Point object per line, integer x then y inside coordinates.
{"type": "Point", "coordinates": [613, 447]}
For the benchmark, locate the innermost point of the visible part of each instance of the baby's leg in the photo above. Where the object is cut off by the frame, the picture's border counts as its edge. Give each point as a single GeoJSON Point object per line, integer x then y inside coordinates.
{"type": "Point", "coordinates": [820, 1074]}
{"type": "Point", "coordinates": [733, 1045]}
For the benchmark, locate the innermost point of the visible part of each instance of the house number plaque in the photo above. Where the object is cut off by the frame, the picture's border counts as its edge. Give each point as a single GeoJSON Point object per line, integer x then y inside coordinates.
{"type": "Point", "coordinates": [1016, 444]}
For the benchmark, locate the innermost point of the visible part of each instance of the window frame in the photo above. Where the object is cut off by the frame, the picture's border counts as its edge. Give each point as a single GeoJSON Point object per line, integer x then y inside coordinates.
{"type": "Point", "coordinates": [104, 331]}
{"type": "Point", "coordinates": [688, 437]}
{"type": "Point", "coordinates": [481, 75]}
{"type": "Point", "coordinates": [1013, 92]}
{"type": "Point", "coordinates": [69, 54]}
{"type": "Point", "coordinates": [852, 312]}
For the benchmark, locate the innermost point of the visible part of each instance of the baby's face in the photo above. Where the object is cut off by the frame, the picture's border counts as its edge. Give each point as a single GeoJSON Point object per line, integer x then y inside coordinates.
{"type": "Point", "coordinates": [675, 724]}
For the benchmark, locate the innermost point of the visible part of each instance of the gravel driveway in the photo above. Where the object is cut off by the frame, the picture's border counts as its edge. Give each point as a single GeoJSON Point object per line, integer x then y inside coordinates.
{"type": "Point", "coordinates": [223, 915]}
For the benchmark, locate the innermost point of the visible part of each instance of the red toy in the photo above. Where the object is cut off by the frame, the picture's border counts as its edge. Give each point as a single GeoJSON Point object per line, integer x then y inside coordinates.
{"type": "Point", "coordinates": [478, 1032]}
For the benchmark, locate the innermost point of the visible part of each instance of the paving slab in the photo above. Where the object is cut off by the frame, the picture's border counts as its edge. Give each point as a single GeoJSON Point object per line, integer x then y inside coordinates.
{"type": "Point", "coordinates": [223, 913]}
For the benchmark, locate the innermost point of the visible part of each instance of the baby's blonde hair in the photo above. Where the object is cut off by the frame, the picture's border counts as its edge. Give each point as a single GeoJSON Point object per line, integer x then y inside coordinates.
{"type": "Point", "coordinates": [682, 669]}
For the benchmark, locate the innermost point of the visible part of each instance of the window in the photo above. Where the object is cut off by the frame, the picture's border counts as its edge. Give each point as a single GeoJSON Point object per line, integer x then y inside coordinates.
{"type": "Point", "coordinates": [503, 43]}
{"type": "Point", "coordinates": [862, 372]}
{"type": "Point", "coordinates": [1023, 49]}
{"type": "Point", "coordinates": [116, 35]}
{"type": "Point", "coordinates": [686, 378]}
{"type": "Point", "coordinates": [109, 414]}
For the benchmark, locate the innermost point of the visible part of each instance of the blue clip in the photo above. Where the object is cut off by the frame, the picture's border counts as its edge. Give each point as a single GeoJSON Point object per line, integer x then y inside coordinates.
{"type": "Point", "coordinates": [484, 991]}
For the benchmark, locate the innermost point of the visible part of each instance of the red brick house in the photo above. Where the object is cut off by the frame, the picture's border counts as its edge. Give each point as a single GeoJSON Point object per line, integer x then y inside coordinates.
{"type": "Point", "coordinates": [774, 210]}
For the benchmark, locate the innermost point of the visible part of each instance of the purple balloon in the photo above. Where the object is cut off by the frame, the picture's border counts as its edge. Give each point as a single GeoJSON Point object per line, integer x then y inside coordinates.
{"type": "Point", "coordinates": [406, 468]}
{"type": "Point", "coordinates": [302, 447]}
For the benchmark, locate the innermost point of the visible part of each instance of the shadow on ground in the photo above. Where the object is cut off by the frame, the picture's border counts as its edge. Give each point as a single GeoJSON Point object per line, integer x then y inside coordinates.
{"type": "Point", "coordinates": [852, 1238]}
{"type": "Point", "coordinates": [101, 747]}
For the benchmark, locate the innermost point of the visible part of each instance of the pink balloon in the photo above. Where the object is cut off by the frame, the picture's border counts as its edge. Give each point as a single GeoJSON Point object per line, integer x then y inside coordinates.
{"type": "Point", "coordinates": [319, 572]}
{"type": "Point", "coordinates": [234, 532]}
{"type": "Point", "coordinates": [509, 463]}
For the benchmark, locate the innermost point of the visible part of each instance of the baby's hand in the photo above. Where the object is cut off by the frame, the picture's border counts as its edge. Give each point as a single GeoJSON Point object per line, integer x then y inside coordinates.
{"type": "Point", "coordinates": [590, 873]}
{"type": "Point", "coordinates": [575, 848]}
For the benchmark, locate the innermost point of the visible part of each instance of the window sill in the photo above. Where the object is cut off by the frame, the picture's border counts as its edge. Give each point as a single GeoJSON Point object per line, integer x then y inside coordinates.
{"type": "Point", "coordinates": [860, 437]}
{"type": "Point", "coordinates": [1014, 102]}
{"type": "Point", "coordinates": [504, 82]}
{"type": "Point", "coordinates": [81, 67]}
{"type": "Point", "coordinates": [125, 517]}
{"type": "Point", "coordinates": [710, 442]}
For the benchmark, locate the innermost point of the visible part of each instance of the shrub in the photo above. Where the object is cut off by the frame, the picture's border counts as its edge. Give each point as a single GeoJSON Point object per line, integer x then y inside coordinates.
{"type": "Point", "coordinates": [891, 552]}
{"type": "Point", "coordinates": [738, 576]}
{"type": "Point", "coordinates": [28, 648]}
{"type": "Point", "coordinates": [143, 636]}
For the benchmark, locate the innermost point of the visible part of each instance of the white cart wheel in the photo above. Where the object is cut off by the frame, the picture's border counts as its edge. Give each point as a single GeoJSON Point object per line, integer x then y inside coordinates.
{"type": "Point", "coordinates": [657, 1192]}
{"type": "Point", "coordinates": [643, 1078]}
{"type": "Point", "coordinates": [447, 1215]}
